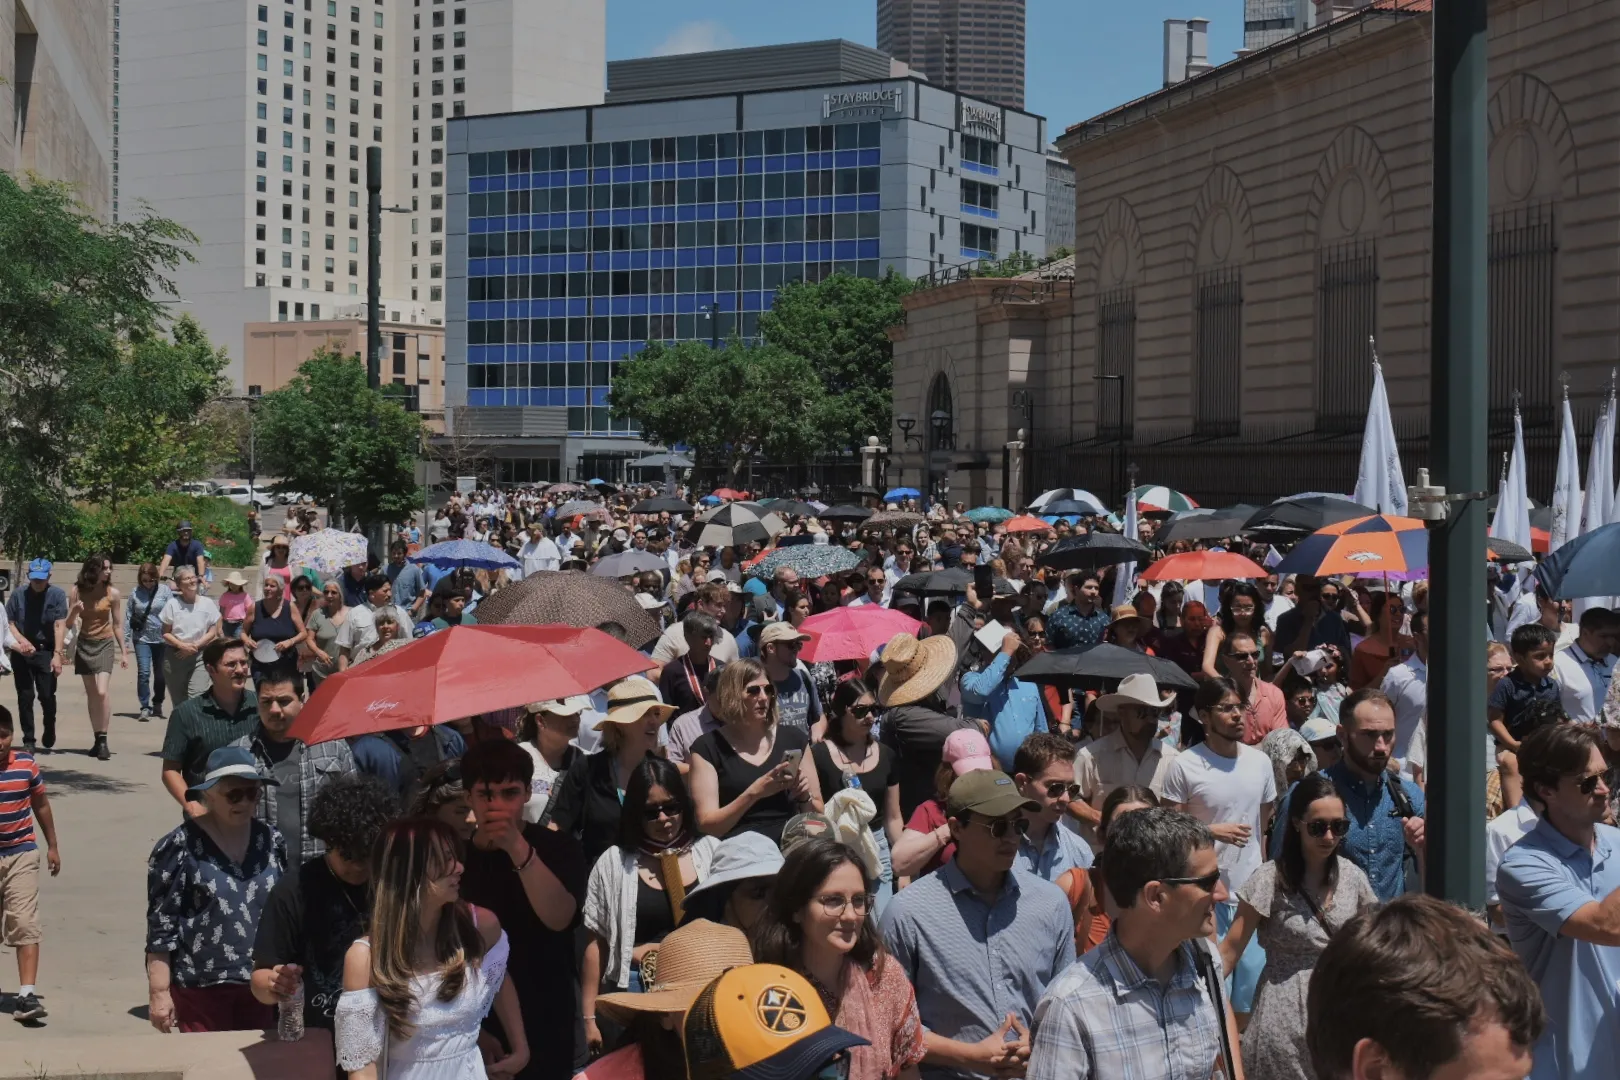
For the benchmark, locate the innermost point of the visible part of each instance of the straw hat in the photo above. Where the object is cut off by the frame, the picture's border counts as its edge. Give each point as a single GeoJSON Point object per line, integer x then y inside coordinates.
{"type": "Point", "coordinates": [688, 960]}
{"type": "Point", "coordinates": [631, 699]}
{"type": "Point", "coordinates": [235, 578]}
{"type": "Point", "coordinates": [1127, 613]}
{"type": "Point", "coordinates": [914, 669]}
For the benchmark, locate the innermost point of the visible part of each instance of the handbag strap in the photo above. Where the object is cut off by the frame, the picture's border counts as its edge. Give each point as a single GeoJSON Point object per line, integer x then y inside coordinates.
{"type": "Point", "coordinates": [1212, 982]}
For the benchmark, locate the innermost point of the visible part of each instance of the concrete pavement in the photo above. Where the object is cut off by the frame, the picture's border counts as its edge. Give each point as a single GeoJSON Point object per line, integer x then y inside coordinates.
{"type": "Point", "coordinates": [108, 815]}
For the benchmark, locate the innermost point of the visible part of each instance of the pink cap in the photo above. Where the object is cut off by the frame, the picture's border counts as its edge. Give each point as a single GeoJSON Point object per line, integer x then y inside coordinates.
{"type": "Point", "coordinates": [966, 751]}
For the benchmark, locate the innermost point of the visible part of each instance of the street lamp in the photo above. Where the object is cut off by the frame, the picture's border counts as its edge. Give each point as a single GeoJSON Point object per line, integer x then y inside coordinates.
{"type": "Point", "coordinates": [905, 422]}
{"type": "Point", "coordinates": [711, 312]}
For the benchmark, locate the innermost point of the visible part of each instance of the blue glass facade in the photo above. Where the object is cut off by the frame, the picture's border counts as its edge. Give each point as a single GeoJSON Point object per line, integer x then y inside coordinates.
{"type": "Point", "coordinates": [579, 254]}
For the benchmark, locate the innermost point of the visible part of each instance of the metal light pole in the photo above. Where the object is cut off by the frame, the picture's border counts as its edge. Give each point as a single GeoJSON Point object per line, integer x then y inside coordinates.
{"type": "Point", "coordinates": [1455, 841]}
{"type": "Point", "coordinates": [373, 266]}
{"type": "Point", "coordinates": [711, 310]}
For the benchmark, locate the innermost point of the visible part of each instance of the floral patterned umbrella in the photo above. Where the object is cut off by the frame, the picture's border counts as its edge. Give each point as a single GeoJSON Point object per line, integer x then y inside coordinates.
{"type": "Point", "coordinates": [810, 560]}
{"type": "Point", "coordinates": [328, 552]}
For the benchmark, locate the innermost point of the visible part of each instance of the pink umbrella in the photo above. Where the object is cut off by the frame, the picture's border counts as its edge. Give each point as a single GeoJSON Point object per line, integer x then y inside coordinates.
{"type": "Point", "coordinates": [852, 633]}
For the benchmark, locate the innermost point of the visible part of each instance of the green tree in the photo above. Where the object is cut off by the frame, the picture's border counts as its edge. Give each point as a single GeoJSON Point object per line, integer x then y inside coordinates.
{"type": "Point", "coordinates": [349, 447]}
{"type": "Point", "coordinates": [75, 291]}
{"type": "Point", "coordinates": [724, 405]}
{"type": "Point", "coordinates": [840, 325]}
{"type": "Point", "coordinates": [158, 429]}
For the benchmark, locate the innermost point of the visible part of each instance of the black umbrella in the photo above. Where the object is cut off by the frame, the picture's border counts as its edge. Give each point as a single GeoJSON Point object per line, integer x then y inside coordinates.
{"type": "Point", "coordinates": [1094, 550]}
{"type": "Point", "coordinates": [865, 489]}
{"type": "Point", "coordinates": [661, 505]}
{"type": "Point", "coordinates": [1093, 665]}
{"type": "Point", "coordinates": [790, 506]}
{"type": "Point", "coordinates": [844, 513]}
{"type": "Point", "coordinates": [1304, 515]}
{"type": "Point", "coordinates": [1066, 507]}
{"type": "Point", "coordinates": [936, 582]}
{"type": "Point", "coordinates": [1204, 524]}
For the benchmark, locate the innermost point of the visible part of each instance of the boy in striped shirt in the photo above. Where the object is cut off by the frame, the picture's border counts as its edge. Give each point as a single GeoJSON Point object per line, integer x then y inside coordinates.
{"type": "Point", "coordinates": [22, 800]}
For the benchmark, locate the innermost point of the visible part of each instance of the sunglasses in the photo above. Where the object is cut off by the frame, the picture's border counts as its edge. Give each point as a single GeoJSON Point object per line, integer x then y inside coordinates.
{"type": "Point", "coordinates": [654, 811]}
{"type": "Point", "coordinates": [1056, 788]}
{"type": "Point", "coordinates": [1589, 784]}
{"type": "Point", "coordinates": [1000, 827]}
{"type": "Point", "coordinates": [1037, 635]}
{"type": "Point", "coordinates": [238, 796]}
{"type": "Point", "coordinates": [755, 690]}
{"type": "Point", "coordinates": [1339, 827]}
{"type": "Point", "coordinates": [1245, 657]}
{"type": "Point", "coordinates": [1207, 883]}
{"type": "Point", "coordinates": [861, 712]}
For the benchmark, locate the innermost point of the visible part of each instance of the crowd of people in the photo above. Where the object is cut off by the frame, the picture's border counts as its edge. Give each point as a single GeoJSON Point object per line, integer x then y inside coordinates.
{"type": "Point", "coordinates": [932, 863]}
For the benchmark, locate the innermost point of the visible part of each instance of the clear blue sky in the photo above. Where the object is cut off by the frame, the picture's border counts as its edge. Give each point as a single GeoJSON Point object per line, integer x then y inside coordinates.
{"type": "Point", "coordinates": [1085, 56]}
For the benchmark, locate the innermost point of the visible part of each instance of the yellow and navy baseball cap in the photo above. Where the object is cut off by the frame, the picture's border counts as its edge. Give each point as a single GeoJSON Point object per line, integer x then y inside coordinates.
{"type": "Point", "coordinates": [761, 1022]}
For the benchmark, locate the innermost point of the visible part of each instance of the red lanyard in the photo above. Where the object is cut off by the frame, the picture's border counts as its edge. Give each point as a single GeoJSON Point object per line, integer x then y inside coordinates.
{"type": "Point", "coordinates": [692, 678]}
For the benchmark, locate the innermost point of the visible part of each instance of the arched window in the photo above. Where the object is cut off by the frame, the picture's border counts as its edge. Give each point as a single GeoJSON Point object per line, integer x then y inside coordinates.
{"type": "Point", "coordinates": [941, 415]}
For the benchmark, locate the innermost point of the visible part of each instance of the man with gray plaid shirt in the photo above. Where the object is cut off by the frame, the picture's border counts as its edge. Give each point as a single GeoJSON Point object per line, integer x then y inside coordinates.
{"type": "Point", "coordinates": [1146, 1003]}
{"type": "Point", "coordinates": [302, 770]}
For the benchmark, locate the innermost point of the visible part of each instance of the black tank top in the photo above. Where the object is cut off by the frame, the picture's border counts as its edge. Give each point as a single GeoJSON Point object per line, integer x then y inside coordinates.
{"type": "Point", "coordinates": [277, 629]}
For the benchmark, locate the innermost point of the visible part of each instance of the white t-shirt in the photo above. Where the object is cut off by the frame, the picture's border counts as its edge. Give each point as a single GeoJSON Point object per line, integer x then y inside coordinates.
{"type": "Point", "coordinates": [360, 629]}
{"type": "Point", "coordinates": [540, 788]}
{"type": "Point", "coordinates": [189, 622]}
{"type": "Point", "coordinates": [1223, 790]}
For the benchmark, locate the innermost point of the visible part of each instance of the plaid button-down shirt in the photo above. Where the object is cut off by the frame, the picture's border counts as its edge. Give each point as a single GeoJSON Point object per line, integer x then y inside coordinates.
{"type": "Point", "coordinates": [316, 765]}
{"type": "Point", "coordinates": [1104, 1018]}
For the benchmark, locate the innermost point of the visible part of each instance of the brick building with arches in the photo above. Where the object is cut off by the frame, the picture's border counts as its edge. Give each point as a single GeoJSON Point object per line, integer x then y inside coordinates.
{"type": "Point", "coordinates": [1244, 238]}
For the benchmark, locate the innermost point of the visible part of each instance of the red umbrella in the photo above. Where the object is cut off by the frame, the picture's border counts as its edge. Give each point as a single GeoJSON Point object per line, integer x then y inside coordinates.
{"type": "Point", "coordinates": [1027, 523]}
{"type": "Point", "coordinates": [851, 633]}
{"type": "Point", "coordinates": [463, 671]}
{"type": "Point", "coordinates": [1203, 566]}
{"type": "Point", "coordinates": [729, 493]}
{"type": "Point", "coordinates": [1540, 540]}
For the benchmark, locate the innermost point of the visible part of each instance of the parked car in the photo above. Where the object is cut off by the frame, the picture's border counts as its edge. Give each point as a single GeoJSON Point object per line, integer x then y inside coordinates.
{"type": "Point", "coordinates": [242, 495]}
{"type": "Point", "coordinates": [199, 487]}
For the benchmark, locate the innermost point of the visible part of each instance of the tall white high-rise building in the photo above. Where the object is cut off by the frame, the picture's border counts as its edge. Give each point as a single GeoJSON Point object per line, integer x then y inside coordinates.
{"type": "Point", "coordinates": [248, 122]}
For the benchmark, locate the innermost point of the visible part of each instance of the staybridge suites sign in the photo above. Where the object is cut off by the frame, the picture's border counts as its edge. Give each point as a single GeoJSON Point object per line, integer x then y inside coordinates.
{"type": "Point", "coordinates": [885, 101]}
{"type": "Point", "coordinates": [983, 119]}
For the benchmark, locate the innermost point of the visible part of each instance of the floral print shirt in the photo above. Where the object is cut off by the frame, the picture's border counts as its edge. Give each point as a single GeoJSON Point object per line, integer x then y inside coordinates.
{"type": "Point", "coordinates": [203, 909]}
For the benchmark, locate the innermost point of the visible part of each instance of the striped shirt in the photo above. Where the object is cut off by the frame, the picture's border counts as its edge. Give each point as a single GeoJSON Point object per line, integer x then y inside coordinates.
{"type": "Point", "coordinates": [19, 780]}
{"type": "Point", "coordinates": [1104, 1017]}
{"type": "Point", "coordinates": [973, 962]}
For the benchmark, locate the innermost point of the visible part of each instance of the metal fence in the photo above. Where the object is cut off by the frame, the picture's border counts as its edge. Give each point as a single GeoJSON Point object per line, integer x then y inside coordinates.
{"type": "Point", "coordinates": [1268, 463]}
{"type": "Point", "coordinates": [1520, 270]}
{"type": "Point", "coordinates": [1218, 354]}
{"type": "Point", "coordinates": [1116, 361]}
{"type": "Point", "coordinates": [1346, 318]}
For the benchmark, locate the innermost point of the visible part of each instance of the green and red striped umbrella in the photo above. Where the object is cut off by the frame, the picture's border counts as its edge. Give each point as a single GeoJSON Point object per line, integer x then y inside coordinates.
{"type": "Point", "coordinates": [1158, 499]}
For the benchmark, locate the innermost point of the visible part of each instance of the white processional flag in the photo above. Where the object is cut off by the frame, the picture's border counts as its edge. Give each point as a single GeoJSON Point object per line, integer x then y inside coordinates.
{"type": "Point", "coordinates": [1512, 521]}
{"type": "Point", "coordinates": [1125, 576]}
{"type": "Point", "coordinates": [1379, 482]}
{"type": "Point", "coordinates": [1566, 498]}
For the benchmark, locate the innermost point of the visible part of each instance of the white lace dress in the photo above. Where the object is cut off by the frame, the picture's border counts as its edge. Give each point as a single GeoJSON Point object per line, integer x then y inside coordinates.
{"type": "Point", "coordinates": [445, 1043]}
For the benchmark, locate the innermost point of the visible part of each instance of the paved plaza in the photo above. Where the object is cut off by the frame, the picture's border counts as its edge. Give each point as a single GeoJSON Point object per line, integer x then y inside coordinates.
{"type": "Point", "coordinates": [108, 815]}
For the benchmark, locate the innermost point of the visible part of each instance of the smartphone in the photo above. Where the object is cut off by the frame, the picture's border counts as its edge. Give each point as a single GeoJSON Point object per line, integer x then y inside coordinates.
{"type": "Point", "coordinates": [983, 582]}
{"type": "Point", "coordinates": [792, 758]}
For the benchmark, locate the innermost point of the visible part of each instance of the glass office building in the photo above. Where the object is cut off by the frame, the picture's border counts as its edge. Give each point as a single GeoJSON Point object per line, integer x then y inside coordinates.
{"type": "Point", "coordinates": [578, 235]}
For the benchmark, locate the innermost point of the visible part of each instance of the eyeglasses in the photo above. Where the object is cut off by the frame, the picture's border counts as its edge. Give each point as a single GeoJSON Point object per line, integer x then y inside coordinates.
{"type": "Point", "coordinates": [834, 904]}
{"type": "Point", "coordinates": [1339, 827]}
{"type": "Point", "coordinates": [1036, 635]}
{"type": "Point", "coordinates": [1056, 788]}
{"type": "Point", "coordinates": [1206, 883]}
{"type": "Point", "coordinates": [1245, 657]}
{"type": "Point", "coordinates": [1227, 707]}
{"type": "Point", "coordinates": [999, 827]}
{"type": "Point", "coordinates": [756, 689]}
{"type": "Point", "coordinates": [654, 811]}
{"type": "Point", "coordinates": [238, 796]}
{"type": "Point", "coordinates": [1588, 784]}
{"type": "Point", "coordinates": [861, 712]}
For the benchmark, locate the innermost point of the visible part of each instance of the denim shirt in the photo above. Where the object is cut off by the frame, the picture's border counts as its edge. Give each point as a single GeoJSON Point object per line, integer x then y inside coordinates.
{"type": "Point", "coordinates": [1012, 707]}
{"type": "Point", "coordinates": [1377, 840]}
{"type": "Point", "coordinates": [151, 628]}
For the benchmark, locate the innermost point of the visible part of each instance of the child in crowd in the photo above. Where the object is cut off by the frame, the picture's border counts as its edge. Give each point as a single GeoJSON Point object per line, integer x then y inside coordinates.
{"type": "Point", "coordinates": [1508, 708]}
{"type": "Point", "coordinates": [233, 604]}
{"type": "Point", "coordinates": [23, 802]}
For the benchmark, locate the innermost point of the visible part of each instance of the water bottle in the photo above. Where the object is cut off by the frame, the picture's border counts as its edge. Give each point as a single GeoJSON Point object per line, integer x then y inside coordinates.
{"type": "Point", "coordinates": [290, 1017]}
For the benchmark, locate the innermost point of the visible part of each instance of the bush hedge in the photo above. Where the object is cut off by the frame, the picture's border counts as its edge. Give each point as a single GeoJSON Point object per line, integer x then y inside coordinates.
{"type": "Point", "coordinates": [139, 529]}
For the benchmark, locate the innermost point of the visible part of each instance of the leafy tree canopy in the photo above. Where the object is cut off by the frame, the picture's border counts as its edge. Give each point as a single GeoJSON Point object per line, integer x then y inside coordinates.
{"type": "Point", "coordinates": [724, 404]}
{"type": "Point", "coordinates": [329, 435]}
{"type": "Point", "coordinates": [840, 325]}
{"type": "Point", "coordinates": [157, 430]}
{"type": "Point", "coordinates": [75, 293]}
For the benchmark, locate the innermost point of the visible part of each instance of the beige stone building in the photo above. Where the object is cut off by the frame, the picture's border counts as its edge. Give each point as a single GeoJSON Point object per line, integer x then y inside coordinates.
{"type": "Point", "coordinates": [56, 93]}
{"type": "Point", "coordinates": [1242, 235]}
{"type": "Point", "coordinates": [413, 356]}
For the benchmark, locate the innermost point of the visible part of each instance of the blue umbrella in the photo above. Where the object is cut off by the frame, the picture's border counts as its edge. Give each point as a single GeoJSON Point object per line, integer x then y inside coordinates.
{"type": "Point", "coordinates": [455, 554]}
{"type": "Point", "coordinates": [596, 480]}
{"type": "Point", "coordinates": [988, 515]}
{"type": "Point", "coordinates": [1585, 566]}
{"type": "Point", "coordinates": [710, 500]}
{"type": "Point", "coordinates": [901, 493]}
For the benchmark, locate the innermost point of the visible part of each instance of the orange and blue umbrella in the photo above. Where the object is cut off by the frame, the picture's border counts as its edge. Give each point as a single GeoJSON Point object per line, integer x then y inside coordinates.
{"type": "Point", "coordinates": [1364, 547]}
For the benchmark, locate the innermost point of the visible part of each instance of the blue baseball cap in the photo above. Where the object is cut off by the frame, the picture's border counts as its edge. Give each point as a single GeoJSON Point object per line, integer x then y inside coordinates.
{"type": "Point", "coordinates": [184, 526]}
{"type": "Point", "coordinates": [39, 570]}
